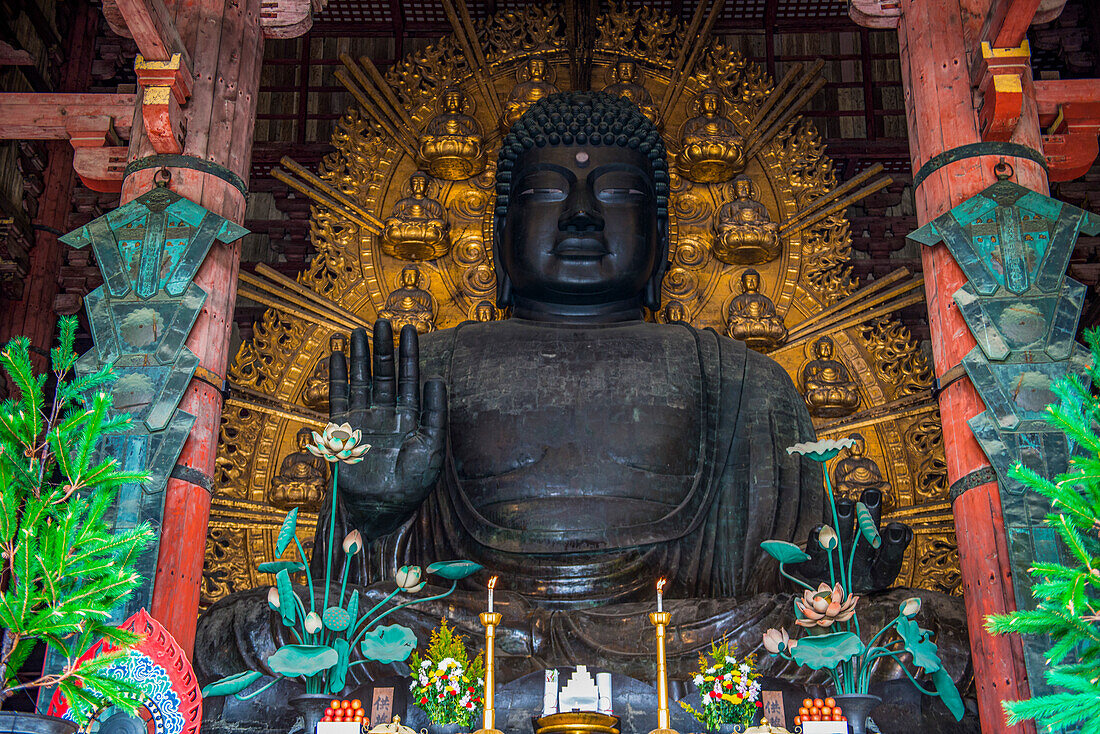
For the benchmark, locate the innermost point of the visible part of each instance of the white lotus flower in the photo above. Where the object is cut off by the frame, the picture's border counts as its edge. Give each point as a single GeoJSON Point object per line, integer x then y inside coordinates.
{"type": "Point", "coordinates": [273, 597]}
{"type": "Point", "coordinates": [338, 443]}
{"type": "Point", "coordinates": [353, 542]}
{"type": "Point", "coordinates": [910, 606]}
{"type": "Point", "coordinates": [312, 623]}
{"type": "Point", "coordinates": [408, 578]}
{"type": "Point", "coordinates": [822, 450]}
{"type": "Point", "coordinates": [776, 641]}
{"type": "Point", "coordinates": [827, 538]}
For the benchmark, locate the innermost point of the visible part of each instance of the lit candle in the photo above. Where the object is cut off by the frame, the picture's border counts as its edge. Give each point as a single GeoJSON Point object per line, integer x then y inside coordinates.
{"type": "Point", "coordinates": [660, 596]}
{"type": "Point", "coordinates": [492, 585]}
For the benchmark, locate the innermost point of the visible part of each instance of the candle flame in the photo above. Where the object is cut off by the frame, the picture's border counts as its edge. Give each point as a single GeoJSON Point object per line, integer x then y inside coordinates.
{"type": "Point", "coordinates": [493, 582]}
{"type": "Point", "coordinates": [660, 585]}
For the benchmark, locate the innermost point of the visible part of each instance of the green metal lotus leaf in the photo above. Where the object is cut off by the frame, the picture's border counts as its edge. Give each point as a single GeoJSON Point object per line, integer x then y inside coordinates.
{"type": "Point", "coordinates": [454, 570]}
{"type": "Point", "coordinates": [920, 646]}
{"type": "Point", "coordinates": [338, 677]}
{"type": "Point", "coordinates": [388, 644]}
{"type": "Point", "coordinates": [867, 525]}
{"type": "Point", "coordinates": [276, 566]}
{"type": "Point", "coordinates": [353, 607]}
{"type": "Point", "coordinates": [826, 651]}
{"type": "Point", "coordinates": [784, 552]}
{"type": "Point", "coordinates": [336, 619]}
{"type": "Point", "coordinates": [307, 660]}
{"type": "Point", "coordinates": [286, 532]}
{"type": "Point", "coordinates": [948, 693]}
{"type": "Point", "coordinates": [231, 684]}
{"type": "Point", "coordinates": [288, 600]}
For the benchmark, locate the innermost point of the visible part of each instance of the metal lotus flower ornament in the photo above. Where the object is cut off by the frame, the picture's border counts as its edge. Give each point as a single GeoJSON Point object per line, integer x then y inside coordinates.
{"type": "Point", "coordinates": [329, 631]}
{"type": "Point", "coordinates": [833, 641]}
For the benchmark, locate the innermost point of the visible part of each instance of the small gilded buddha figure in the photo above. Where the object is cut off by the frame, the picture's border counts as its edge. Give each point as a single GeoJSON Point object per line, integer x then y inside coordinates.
{"type": "Point", "coordinates": [410, 304]}
{"type": "Point", "coordinates": [828, 390]}
{"type": "Point", "coordinates": [744, 231]}
{"type": "Point", "coordinates": [485, 311]}
{"type": "Point", "coordinates": [752, 317]}
{"type": "Point", "coordinates": [627, 81]}
{"type": "Point", "coordinates": [452, 146]}
{"type": "Point", "coordinates": [856, 472]}
{"type": "Point", "coordinates": [315, 392]}
{"type": "Point", "coordinates": [533, 84]}
{"type": "Point", "coordinates": [302, 478]}
{"type": "Point", "coordinates": [416, 229]}
{"type": "Point", "coordinates": [674, 311]}
{"type": "Point", "coordinates": [711, 151]}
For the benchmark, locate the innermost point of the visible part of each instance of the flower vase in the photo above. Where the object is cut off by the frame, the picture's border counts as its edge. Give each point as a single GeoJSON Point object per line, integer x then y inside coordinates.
{"type": "Point", "coordinates": [857, 707]}
{"type": "Point", "coordinates": [311, 707]}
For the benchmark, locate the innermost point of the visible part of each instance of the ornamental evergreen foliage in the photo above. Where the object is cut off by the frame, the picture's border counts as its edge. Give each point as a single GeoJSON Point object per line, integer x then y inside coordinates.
{"type": "Point", "coordinates": [447, 685]}
{"type": "Point", "coordinates": [62, 568]}
{"type": "Point", "coordinates": [1068, 595]}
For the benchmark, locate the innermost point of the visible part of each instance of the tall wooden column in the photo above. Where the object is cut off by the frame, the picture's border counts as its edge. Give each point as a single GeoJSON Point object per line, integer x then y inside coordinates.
{"type": "Point", "coordinates": [225, 44]}
{"type": "Point", "coordinates": [940, 108]}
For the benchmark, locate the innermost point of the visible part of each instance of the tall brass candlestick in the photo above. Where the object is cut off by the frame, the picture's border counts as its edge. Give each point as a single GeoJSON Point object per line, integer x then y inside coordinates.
{"type": "Point", "coordinates": [664, 721]}
{"type": "Point", "coordinates": [489, 716]}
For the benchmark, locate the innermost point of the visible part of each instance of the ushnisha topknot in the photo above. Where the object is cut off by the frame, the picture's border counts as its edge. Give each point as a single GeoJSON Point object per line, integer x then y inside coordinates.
{"type": "Point", "coordinates": [583, 118]}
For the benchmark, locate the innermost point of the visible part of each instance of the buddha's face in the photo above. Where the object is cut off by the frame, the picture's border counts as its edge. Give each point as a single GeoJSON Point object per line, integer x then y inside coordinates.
{"type": "Point", "coordinates": [824, 348]}
{"type": "Point", "coordinates": [675, 312]}
{"type": "Point", "coordinates": [710, 104]}
{"type": "Point", "coordinates": [484, 311]}
{"type": "Point", "coordinates": [337, 344]}
{"type": "Point", "coordinates": [581, 227]}
{"type": "Point", "coordinates": [750, 281]}
{"type": "Point", "coordinates": [452, 102]}
{"type": "Point", "coordinates": [303, 440]}
{"type": "Point", "coordinates": [410, 277]}
{"type": "Point", "coordinates": [859, 446]}
{"type": "Point", "coordinates": [625, 71]}
{"type": "Point", "coordinates": [536, 68]}
{"type": "Point", "coordinates": [743, 188]}
{"type": "Point", "coordinates": [418, 185]}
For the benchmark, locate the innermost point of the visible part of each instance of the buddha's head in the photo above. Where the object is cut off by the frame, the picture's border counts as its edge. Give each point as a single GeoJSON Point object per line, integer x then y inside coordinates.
{"type": "Point", "coordinates": [453, 101]}
{"type": "Point", "coordinates": [338, 343]}
{"type": "Point", "coordinates": [742, 187]}
{"type": "Point", "coordinates": [710, 103]}
{"type": "Point", "coordinates": [823, 348]}
{"type": "Point", "coordinates": [484, 311]}
{"type": "Point", "coordinates": [859, 445]}
{"type": "Point", "coordinates": [418, 184]}
{"type": "Point", "coordinates": [675, 311]}
{"type": "Point", "coordinates": [750, 281]}
{"type": "Point", "coordinates": [581, 219]}
{"type": "Point", "coordinates": [626, 72]}
{"type": "Point", "coordinates": [410, 276]}
{"type": "Point", "coordinates": [537, 69]}
{"type": "Point", "coordinates": [303, 438]}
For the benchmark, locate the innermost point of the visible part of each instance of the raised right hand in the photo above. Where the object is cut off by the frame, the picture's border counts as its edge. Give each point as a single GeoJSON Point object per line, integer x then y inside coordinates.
{"type": "Point", "coordinates": [406, 433]}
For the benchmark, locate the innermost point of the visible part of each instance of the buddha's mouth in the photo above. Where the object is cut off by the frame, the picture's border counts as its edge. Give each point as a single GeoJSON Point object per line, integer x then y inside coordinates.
{"type": "Point", "coordinates": [577, 248]}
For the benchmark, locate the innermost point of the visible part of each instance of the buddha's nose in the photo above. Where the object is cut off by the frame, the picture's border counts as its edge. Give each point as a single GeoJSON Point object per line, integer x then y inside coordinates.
{"type": "Point", "coordinates": [582, 212]}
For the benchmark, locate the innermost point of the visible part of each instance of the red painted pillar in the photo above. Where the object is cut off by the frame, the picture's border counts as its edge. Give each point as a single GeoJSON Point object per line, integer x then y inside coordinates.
{"type": "Point", "coordinates": [225, 42]}
{"type": "Point", "coordinates": [940, 107]}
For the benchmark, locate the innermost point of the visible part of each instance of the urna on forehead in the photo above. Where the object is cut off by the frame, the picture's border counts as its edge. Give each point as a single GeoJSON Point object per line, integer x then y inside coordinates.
{"type": "Point", "coordinates": [583, 119]}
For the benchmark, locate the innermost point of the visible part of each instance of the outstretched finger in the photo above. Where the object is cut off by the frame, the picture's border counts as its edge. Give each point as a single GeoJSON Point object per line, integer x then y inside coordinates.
{"type": "Point", "coordinates": [337, 384]}
{"type": "Point", "coordinates": [408, 381]}
{"type": "Point", "coordinates": [385, 381]}
{"type": "Point", "coordinates": [872, 500]}
{"type": "Point", "coordinates": [360, 370]}
{"type": "Point", "coordinates": [895, 540]}
{"type": "Point", "coordinates": [433, 415]}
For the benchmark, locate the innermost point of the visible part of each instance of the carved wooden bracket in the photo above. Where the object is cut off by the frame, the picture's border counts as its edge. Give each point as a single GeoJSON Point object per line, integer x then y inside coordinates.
{"type": "Point", "coordinates": [288, 18]}
{"type": "Point", "coordinates": [1000, 73]}
{"type": "Point", "coordinates": [875, 13]}
{"type": "Point", "coordinates": [1070, 111]}
{"type": "Point", "coordinates": [101, 169]}
{"type": "Point", "coordinates": [167, 85]}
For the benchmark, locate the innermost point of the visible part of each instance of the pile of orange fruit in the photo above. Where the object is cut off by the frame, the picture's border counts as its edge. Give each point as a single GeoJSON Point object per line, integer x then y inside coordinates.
{"type": "Point", "coordinates": [345, 710]}
{"type": "Point", "coordinates": [816, 709]}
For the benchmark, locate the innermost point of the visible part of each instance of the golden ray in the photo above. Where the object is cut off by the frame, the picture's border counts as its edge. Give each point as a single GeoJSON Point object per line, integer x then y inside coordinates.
{"type": "Point", "coordinates": [907, 407]}
{"type": "Point", "coordinates": [326, 195]}
{"type": "Point", "coordinates": [789, 103]}
{"type": "Point", "coordinates": [369, 101]}
{"type": "Point", "coordinates": [836, 200]}
{"type": "Point", "coordinates": [688, 55]}
{"type": "Point", "coordinates": [851, 300]}
{"type": "Point", "coordinates": [463, 26]}
{"type": "Point", "coordinates": [290, 284]}
{"type": "Point", "coordinates": [270, 410]}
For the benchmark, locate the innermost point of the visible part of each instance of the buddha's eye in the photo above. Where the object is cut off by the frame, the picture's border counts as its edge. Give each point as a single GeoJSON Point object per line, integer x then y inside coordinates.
{"type": "Point", "coordinates": [544, 193]}
{"type": "Point", "coordinates": [612, 193]}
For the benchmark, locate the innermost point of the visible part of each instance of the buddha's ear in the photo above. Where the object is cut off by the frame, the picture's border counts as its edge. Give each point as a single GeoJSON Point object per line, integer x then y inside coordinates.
{"type": "Point", "coordinates": [651, 296]}
{"type": "Point", "coordinates": [504, 283]}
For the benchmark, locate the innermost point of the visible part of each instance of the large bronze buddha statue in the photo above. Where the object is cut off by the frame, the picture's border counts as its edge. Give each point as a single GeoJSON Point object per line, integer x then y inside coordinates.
{"type": "Point", "coordinates": [574, 449]}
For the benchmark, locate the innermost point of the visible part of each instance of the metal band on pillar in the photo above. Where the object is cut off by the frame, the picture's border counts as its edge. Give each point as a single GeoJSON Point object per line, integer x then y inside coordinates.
{"type": "Point", "coordinates": [975, 150]}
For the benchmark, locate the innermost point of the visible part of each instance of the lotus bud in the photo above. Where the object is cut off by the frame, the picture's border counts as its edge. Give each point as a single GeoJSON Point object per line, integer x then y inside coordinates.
{"type": "Point", "coordinates": [826, 538]}
{"type": "Point", "coordinates": [312, 623]}
{"type": "Point", "coordinates": [353, 542]}
{"type": "Point", "coordinates": [273, 598]}
{"type": "Point", "coordinates": [910, 606]}
{"type": "Point", "coordinates": [776, 641]}
{"type": "Point", "coordinates": [408, 577]}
